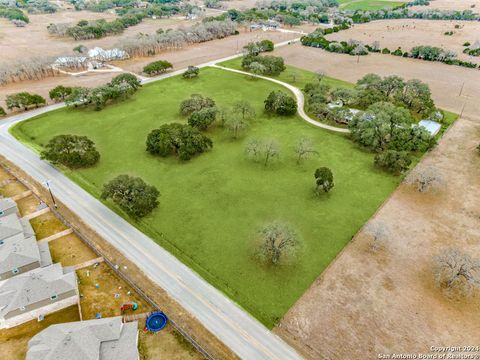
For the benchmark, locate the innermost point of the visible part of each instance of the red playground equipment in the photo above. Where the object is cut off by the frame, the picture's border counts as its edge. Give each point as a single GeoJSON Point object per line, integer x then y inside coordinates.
{"type": "Point", "coordinates": [129, 306]}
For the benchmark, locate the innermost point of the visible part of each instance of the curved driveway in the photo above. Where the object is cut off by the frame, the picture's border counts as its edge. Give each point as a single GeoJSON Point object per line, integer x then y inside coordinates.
{"type": "Point", "coordinates": [298, 94]}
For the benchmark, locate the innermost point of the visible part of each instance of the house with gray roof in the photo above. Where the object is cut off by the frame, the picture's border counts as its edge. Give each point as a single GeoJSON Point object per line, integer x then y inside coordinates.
{"type": "Point", "coordinates": [39, 292]}
{"type": "Point", "coordinates": [7, 207]}
{"type": "Point", "coordinates": [19, 250]}
{"type": "Point", "coordinates": [102, 339]}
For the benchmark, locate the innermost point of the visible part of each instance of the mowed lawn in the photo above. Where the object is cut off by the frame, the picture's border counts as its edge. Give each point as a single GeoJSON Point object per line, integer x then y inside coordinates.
{"type": "Point", "coordinates": [212, 206]}
{"type": "Point", "coordinates": [368, 4]}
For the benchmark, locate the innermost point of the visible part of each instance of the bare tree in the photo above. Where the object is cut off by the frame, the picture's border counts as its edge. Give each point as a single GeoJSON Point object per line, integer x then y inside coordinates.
{"type": "Point", "coordinates": [263, 150]}
{"type": "Point", "coordinates": [244, 110]}
{"type": "Point", "coordinates": [426, 179]}
{"type": "Point", "coordinates": [378, 234]}
{"type": "Point", "coordinates": [277, 240]}
{"type": "Point", "coordinates": [303, 149]}
{"type": "Point", "coordinates": [320, 75]}
{"type": "Point", "coordinates": [456, 273]}
{"type": "Point", "coordinates": [236, 125]}
{"type": "Point", "coordinates": [294, 76]}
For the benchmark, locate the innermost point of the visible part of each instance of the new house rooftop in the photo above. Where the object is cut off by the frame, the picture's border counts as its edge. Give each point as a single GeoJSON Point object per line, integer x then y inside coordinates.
{"type": "Point", "coordinates": [24, 291]}
{"type": "Point", "coordinates": [102, 339]}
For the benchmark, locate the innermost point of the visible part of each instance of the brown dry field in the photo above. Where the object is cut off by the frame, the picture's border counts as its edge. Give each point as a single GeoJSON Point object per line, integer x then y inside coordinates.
{"type": "Point", "coordinates": [14, 341]}
{"type": "Point", "coordinates": [28, 205]}
{"type": "Point", "coordinates": [12, 189]}
{"type": "Point", "coordinates": [451, 5]}
{"type": "Point", "coordinates": [407, 33]}
{"type": "Point", "coordinates": [70, 250]}
{"type": "Point", "coordinates": [366, 303]}
{"type": "Point", "coordinates": [34, 39]}
{"type": "Point", "coordinates": [46, 225]}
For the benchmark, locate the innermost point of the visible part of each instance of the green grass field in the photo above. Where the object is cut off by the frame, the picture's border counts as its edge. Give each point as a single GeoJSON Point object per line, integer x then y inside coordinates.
{"type": "Point", "coordinates": [368, 4]}
{"type": "Point", "coordinates": [211, 207]}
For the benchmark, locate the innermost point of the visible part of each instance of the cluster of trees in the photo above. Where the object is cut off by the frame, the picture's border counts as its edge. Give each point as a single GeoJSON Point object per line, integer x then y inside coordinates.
{"type": "Point", "coordinates": [177, 139]}
{"type": "Point", "coordinates": [39, 6]}
{"type": "Point", "coordinates": [402, 12]}
{"type": "Point", "coordinates": [280, 103]}
{"type": "Point", "coordinates": [351, 47]}
{"type": "Point", "coordinates": [120, 88]}
{"type": "Point", "coordinates": [72, 151]}
{"type": "Point", "coordinates": [263, 65]}
{"type": "Point", "coordinates": [413, 95]}
{"type": "Point", "coordinates": [388, 130]}
{"type": "Point", "coordinates": [96, 29]}
{"type": "Point", "coordinates": [201, 111]}
{"type": "Point", "coordinates": [157, 67]}
{"type": "Point", "coordinates": [132, 195]}
{"type": "Point", "coordinates": [255, 48]}
{"type": "Point", "coordinates": [151, 44]}
{"type": "Point", "coordinates": [26, 69]}
{"type": "Point", "coordinates": [24, 100]}
{"type": "Point", "coordinates": [293, 13]}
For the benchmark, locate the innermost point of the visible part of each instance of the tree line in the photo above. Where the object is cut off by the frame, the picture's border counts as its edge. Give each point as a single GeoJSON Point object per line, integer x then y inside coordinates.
{"type": "Point", "coordinates": [151, 44]}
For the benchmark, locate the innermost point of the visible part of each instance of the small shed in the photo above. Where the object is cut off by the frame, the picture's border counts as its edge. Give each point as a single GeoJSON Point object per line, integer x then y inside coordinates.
{"type": "Point", "coordinates": [431, 126]}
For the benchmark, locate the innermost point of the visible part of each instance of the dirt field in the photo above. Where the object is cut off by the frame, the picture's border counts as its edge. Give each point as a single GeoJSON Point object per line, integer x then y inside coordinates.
{"type": "Point", "coordinates": [14, 43]}
{"type": "Point", "coordinates": [407, 33]}
{"type": "Point", "coordinates": [70, 250]}
{"type": "Point", "coordinates": [365, 303]}
{"type": "Point", "coordinates": [46, 225]}
{"type": "Point", "coordinates": [451, 5]}
{"type": "Point", "coordinates": [28, 205]}
{"type": "Point", "coordinates": [14, 342]}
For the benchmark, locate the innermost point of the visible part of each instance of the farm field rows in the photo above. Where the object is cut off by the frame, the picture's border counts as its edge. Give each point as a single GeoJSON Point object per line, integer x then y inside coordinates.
{"type": "Point", "coordinates": [212, 206]}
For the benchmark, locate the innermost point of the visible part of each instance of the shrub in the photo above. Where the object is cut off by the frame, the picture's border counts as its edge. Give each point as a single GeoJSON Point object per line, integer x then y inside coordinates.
{"type": "Point", "coordinates": [177, 139]}
{"type": "Point", "coordinates": [280, 103]}
{"type": "Point", "coordinates": [2, 111]}
{"type": "Point", "coordinates": [72, 151]}
{"type": "Point", "coordinates": [393, 161]}
{"type": "Point", "coordinates": [274, 65]}
{"type": "Point", "coordinates": [157, 67]}
{"type": "Point", "coordinates": [385, 51]}
{"type": "Point", "coordinates": [191, 72]}
{"type": "Point", "coordinates": [24, 100]}
{"type": "Point", "coordinates": [323, 180]}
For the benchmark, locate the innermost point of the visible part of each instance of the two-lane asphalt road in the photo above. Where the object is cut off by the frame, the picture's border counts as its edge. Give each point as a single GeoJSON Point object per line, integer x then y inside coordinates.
{"type": "Point", "coordinates": [243, 334]}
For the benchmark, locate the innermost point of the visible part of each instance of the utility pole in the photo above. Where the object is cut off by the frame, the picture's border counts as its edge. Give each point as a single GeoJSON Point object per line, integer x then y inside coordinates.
{"type": "Point", "coordinates": [51, 194]}
{"type": "Point", "coordinates": [461, 89]}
